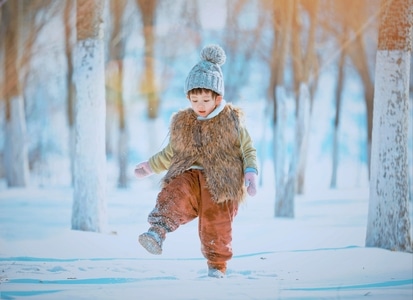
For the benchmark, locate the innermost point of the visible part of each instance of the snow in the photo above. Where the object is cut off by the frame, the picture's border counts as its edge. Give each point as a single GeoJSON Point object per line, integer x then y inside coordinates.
{"type": "Point", "coordinates": [319, 254]}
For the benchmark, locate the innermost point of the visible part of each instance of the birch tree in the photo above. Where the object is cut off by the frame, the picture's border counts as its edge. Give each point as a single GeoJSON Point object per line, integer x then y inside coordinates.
{"type": "Point", "coordinates": [116, 53]}
{"type": "Point", "coordinates": [67, 16]}
{"type": "Point", "coordinates": [148, 12]}
{"type": "Point", "coordinates": [359, 20]}
{"type": "Point", "coordinates": [338, 94]}
{"type": "Point", "coordinates": [339, 14]}
{"type": "Point", "coordinates": [15, 147]}
{"type": "Point", "coordinates": [304, 62]}
{"type": "Point", "coordinates": [242, 43]}
{"type": "Point", "coordinates": [388, 223]}
{"type": "Point", "coordinates": [282, 18]}
{"type": "Point", "coordinates": [89, 197]}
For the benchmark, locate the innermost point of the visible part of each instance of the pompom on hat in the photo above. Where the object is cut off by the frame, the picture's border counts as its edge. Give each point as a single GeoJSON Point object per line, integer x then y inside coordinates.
{"type": "Point", "coordinates": [207, 73]}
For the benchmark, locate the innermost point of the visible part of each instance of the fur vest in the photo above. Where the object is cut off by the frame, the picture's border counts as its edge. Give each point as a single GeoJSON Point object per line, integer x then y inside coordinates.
{"type": "Point", "coordinates": [213, 144]}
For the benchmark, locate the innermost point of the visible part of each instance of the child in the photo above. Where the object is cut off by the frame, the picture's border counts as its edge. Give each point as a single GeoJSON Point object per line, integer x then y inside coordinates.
{"type": "Point", "coordinates": [211, 162]}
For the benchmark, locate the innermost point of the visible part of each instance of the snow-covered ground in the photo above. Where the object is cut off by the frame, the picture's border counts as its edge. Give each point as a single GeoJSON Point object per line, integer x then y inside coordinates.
{"type": "Point", "coordinates": [319, 254]}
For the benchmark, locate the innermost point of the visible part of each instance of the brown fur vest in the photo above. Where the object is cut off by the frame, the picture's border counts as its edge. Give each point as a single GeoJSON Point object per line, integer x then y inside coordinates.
{"type": "Point", "coordinates": [213, 144]}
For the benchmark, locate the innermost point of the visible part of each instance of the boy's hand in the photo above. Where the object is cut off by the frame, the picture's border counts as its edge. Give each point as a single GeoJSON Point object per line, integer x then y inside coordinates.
{"type": "Point", "coordinates": [250, 179]}
{"type": "Point", "coordinates": [143, 169]}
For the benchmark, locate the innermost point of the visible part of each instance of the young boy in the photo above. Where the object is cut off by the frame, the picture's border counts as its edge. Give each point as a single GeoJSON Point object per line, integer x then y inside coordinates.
{"type": "Point", "coordinates": [211, 163]}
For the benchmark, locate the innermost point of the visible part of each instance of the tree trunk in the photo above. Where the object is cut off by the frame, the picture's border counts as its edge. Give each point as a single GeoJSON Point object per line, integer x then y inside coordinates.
{"type": "Point", "coordinates": [241, 45]}
{"type": "Point", "coordinates": [284, 203]}
{"type": "Point", "coordinates": [117, 51]}
{"type": "Point", "coordinates": [303, 63]}
{"type": "Point", "coordinates": [359, 58]}
{"type": "Point", "coordinates": [338, 95]}
{"type": "Point", "coordinates": [15, 154]}
{"type": "Point", "coordinates": [149, 87]}
{"type": "Point", "coordinates": [69, 82]}
{"type": "Point", "coordinates": [302, 134]}
{"type": "Point", "coordinates": [89, 203]}
{"type": "Point", "coordinates": [15, 147]}
{"type": "Point", "coordinates": [388, 223]}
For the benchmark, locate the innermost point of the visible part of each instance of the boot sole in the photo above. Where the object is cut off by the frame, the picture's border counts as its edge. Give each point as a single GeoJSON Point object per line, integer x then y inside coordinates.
{"type": "Point", "coordinates": [150, 244]}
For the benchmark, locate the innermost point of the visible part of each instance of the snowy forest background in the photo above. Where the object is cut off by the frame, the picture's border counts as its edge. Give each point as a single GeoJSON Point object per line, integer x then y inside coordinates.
{"type": "Point", "coordinates": [150, 46]}
{"type": "Point", "coordinates": [87, 89]}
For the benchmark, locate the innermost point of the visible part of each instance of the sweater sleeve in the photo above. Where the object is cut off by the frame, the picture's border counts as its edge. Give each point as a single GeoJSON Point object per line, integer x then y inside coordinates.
{"type": "Point", "coordinates": [249, 153]}
{"type": "Point", "coordinates": [161, 161]}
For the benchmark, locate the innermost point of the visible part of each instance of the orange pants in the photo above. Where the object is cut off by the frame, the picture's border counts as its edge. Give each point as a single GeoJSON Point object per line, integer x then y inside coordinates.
{"type": "Point", "coordinates": [187, 197]}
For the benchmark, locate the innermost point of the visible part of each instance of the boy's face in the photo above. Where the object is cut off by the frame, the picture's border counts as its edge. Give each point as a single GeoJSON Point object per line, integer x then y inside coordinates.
{"type": "Point", "coordinates": [204, 103]}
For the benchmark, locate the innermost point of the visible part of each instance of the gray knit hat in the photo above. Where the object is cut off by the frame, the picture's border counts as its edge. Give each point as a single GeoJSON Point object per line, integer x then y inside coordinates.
{"type": "Point", "coordinates": [207, 73]}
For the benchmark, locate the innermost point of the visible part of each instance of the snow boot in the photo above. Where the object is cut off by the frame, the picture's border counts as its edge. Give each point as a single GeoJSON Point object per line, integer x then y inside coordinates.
{"type": "Point", "coordinates": [215, 273]}
{"type": "Point", "coordinates": [152, 242]}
